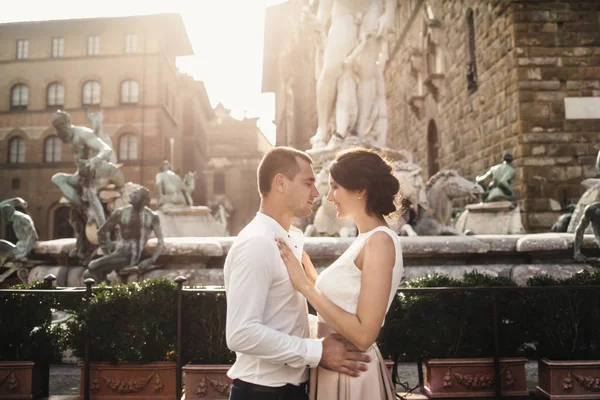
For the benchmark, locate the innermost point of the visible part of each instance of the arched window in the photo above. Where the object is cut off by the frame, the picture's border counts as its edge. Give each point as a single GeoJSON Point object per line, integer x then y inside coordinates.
{"type": "Point", "coordinates": [55, 95]}
{"type": "Point", "coordinates": [16, 150]}
{"type": "Point", "coordinates": [52, 149]}
{"type": "Point", "coordinates": [130, 92]}
{"type": "Point", "coordinates": [62, 228]}
{"type": "Point", "coordinates": [19, 96]}
{"type": "Point", "coordinates": [472, 63]}
{"type": "Point", "coordinates": [91, 93]}
{"type": "Point", "coordinates": [433, 165]}
{"type": "Point", "coordinates": [128, 147]}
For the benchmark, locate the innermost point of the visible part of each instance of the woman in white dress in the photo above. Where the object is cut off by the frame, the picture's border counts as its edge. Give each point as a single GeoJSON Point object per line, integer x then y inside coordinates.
{"type": "Point", "coordinates": [353, 295]}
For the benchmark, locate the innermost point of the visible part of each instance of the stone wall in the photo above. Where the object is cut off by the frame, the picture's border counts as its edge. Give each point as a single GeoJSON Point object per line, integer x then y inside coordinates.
{"type": "Point", "coordinates": [201, 260]}
{"type": "Point", "coordinates": [557, 49]}
{"type": "Point", "coordinates": [473, 128]}
{"type": "Point", "coordinates": [530, 55]}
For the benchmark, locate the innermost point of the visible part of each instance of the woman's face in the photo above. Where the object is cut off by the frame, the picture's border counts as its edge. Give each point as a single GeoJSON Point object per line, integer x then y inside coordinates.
{"type": "Point", "coordinates": [346, 201]}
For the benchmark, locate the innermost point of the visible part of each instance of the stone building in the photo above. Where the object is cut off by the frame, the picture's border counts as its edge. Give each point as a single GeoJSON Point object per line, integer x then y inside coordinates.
{"type": "Point", "coordinates": [289, 72]}
{"type": "Point", "coordinates": [235, 148]}
{"type": "Point", "coordinates": [467, 80]}
{"type": "Point", "coordinates": [123, 66]}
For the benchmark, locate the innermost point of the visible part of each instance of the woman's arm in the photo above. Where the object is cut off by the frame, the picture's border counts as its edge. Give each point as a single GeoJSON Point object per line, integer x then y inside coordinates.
{"type": "Point", "coordinates": [377, 264]}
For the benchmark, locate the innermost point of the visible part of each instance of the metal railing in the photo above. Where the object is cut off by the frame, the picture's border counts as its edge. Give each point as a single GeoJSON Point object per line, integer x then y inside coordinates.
{"type": "Point", "coordinates": [86, 294]}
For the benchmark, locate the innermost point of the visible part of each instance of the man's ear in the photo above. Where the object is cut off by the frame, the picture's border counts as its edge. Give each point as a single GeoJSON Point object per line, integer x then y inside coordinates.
{"type": "Point", "coordinates": [279, 183]}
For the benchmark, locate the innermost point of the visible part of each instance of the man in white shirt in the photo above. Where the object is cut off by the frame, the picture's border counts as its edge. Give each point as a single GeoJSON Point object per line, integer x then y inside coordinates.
{"type": "Point", "coordinates": [267, 319]}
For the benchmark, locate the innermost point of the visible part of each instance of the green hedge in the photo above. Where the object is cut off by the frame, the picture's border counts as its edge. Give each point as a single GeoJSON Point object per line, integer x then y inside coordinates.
{"type": "Point", "coordinates": [138, 323]}
{"type": "Point", "coordinates": [535, 324]}
{"type": "Point", "coordinates": [26, 332]}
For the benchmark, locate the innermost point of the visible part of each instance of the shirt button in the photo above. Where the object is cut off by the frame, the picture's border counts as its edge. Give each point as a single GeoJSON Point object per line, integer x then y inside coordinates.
{"type": "Point", "coordinates": [285, 364]}
{"type": "Point", "coordinates": [289, 236]}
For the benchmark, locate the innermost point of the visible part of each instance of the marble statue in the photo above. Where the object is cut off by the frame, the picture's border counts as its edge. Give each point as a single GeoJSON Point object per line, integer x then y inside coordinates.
{"type": "Point", "coordinates": [432, 215]}
{"type": "Point", "coordinates": [350, 83]}
{"type": "Point", "coordinates": [502, 175]}
{"type": "Point", "coordinates": [13, 255]}
{"type": "Point", "coordinates": [326, 222]}
{"type": "Point", "coordinates": [172, 190]}
{"type": "Point", "coordinates": [94, 172]}
{"type": "Point", "coordinates": [136, 222]}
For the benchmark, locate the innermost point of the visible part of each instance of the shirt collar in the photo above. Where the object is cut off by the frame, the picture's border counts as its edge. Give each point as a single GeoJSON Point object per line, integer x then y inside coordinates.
{"type": "Point", "coordinates": [264, 218]}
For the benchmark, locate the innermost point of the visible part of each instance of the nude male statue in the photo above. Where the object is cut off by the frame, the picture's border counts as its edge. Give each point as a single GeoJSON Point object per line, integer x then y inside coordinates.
{"type": "Point", "coordinates": [94, 169]}
{"type": "Point", "coordinates": [354, 42]}
{"type": "Point", "coordinates": [136, 222]}
{"type": "Point", "coordinates": [24, 229]}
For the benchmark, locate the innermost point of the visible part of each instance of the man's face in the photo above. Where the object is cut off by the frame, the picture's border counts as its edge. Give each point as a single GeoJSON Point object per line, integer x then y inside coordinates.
{"type": "Point", "coordinates": [300, 192]}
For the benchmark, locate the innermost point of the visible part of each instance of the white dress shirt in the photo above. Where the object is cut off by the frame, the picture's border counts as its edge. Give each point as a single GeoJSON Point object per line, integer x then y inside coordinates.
{"type": "Point", "coordinates": [267, 319]}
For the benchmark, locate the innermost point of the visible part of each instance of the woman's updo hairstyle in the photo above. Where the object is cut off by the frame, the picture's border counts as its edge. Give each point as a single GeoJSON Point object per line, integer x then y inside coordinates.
{"type": "Point", "coordinates": [359, 168]}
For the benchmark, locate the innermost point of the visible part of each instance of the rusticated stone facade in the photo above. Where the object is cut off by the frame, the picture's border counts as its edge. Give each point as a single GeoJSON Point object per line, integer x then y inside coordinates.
{"type": "Point", "coordinates": [466, 81]}
{"type": "Point", "coordinates": [167, 120]}
{"type": "Point", "coordinates": [529, 56]}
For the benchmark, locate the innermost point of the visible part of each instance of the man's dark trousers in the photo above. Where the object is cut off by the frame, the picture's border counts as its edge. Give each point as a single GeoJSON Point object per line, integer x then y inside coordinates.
{"type": "Point", "coordinates": [241, 390]}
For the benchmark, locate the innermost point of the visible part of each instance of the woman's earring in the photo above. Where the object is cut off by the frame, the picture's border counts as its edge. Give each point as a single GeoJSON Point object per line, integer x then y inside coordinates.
{"type": "Point", "coordinates": [360, 197]}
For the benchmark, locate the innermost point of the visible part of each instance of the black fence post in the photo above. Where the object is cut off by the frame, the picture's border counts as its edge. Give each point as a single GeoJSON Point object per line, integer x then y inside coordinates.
{"type": "Point", "coordinates": [49, 280]}
{"type": "Point", "coordinates": [87, 339]}
{"type": "Point", "coordinates": [178, 385]}
{"type": "Point", "coordinates": [497, 375]}
{"type": "Point", "coordinates": [44, 367]}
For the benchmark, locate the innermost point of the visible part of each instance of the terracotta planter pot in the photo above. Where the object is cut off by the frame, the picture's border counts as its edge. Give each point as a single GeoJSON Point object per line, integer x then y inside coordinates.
{"type": "Point", "coordinates": [569, 379]}
{"type": "Point", "coordinates": [206, 382]}
{"type": "Point", "coordinates": [473, 377]}
{"type": "Point", "coordinates": [131, 381]}
{"type": "Point", "coordinates": [19, 380]}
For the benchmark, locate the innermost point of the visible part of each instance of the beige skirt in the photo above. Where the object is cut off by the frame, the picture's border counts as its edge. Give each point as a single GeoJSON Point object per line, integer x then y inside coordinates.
{"type": "Point", "coordinates": [373, 384]}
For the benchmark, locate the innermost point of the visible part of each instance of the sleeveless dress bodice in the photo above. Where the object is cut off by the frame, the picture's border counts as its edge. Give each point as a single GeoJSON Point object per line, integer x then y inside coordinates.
{"type": "Point", "coordinates": [341, 281]}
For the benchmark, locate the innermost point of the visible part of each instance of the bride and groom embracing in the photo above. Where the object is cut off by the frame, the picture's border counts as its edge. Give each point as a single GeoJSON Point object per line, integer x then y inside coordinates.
{"type": "Point", "coordinates": [269, 278]}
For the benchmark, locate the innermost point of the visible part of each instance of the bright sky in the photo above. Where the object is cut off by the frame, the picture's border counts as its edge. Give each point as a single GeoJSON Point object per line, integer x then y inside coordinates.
{"type": "Point", "coordinates": [227, 37]}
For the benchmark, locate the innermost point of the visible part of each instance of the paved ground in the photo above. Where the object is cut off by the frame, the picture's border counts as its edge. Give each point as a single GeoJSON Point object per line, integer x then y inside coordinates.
{"type": "Point", "coordinates": [64, 379]}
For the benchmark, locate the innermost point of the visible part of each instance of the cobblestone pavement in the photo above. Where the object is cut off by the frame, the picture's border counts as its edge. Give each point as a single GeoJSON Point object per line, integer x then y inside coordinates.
{"type": "Point", "coordinates": [64, 379]}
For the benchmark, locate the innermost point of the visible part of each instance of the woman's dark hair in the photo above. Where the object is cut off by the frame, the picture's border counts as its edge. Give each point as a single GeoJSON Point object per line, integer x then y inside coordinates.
{"type": "Point", "coordinates": [359, 168]}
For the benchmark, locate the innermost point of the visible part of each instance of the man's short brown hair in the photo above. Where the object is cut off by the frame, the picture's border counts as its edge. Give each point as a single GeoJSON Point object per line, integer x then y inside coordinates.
{"type": "Point", "coordinates": [279, 160]}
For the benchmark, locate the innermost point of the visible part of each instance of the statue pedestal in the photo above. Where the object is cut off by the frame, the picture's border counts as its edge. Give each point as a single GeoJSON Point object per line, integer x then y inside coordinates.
{"type": "Point", "coordinates": [496, 218]}
{"type": "Point", "coordinates": [196, 221]}
{"type": "Point", "coordinates": [325, 154]}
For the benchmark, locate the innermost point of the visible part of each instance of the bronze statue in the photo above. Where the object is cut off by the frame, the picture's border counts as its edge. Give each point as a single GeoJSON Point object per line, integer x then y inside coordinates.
{"type": "Point", "coordinates": [94, 172]}
{"type": "Point", "coordinates": [591, 214]}
{"type": "Point", "coordinates": [25, 232]}
{"type": "Point", "coordinates": [136, 222]}
{"type": "Point", "coordinates": [502, 175]}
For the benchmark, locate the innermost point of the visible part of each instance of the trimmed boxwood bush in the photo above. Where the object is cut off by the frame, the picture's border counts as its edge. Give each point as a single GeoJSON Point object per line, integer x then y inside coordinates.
{"type": "Point", "coordinates": [26, 332]}
{"type": "Point", "coordinates": [452, 325]}
{"type": "Point", "coordinates": [137, 322]}
{"type": "Point", "coordinates": [564, 325]}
